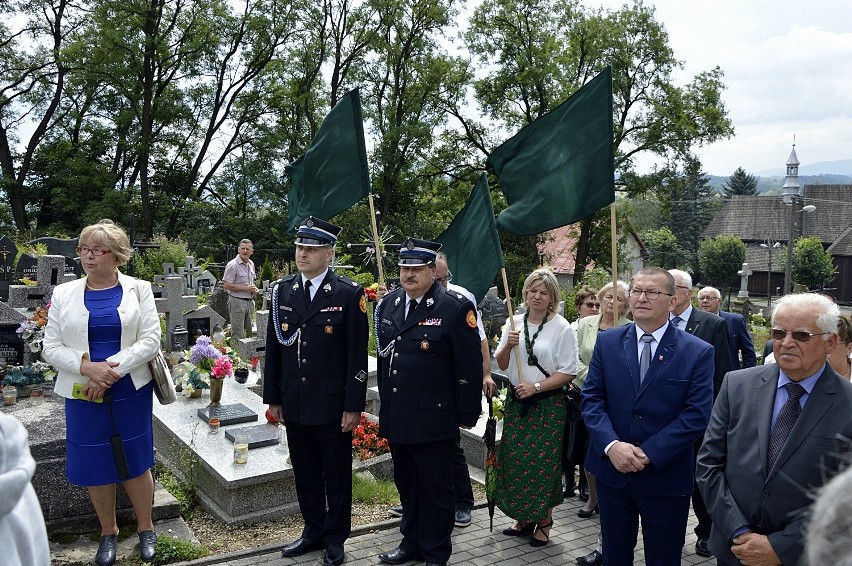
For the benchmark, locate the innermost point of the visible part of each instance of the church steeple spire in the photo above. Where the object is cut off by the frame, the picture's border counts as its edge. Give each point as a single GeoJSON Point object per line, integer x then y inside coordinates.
{"type": "Point", "coordinates": [791, 183]}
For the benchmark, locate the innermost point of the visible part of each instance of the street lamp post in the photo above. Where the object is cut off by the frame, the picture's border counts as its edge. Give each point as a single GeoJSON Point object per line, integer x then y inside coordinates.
{"type": "Point", "coordinates": [769, 245]}
{"type": "Point", "coordinates": [794, 204]}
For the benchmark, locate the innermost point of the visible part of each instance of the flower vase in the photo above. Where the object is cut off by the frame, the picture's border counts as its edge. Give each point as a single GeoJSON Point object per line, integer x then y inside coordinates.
{"type": "Point", "coordinates": [215, 392]}
{"type": "Point", "coordinates": [241, 375]}
{"type": "Point", "coordinates": [196, 393]}
{"type": "Point", "coordinates": [24, 390]}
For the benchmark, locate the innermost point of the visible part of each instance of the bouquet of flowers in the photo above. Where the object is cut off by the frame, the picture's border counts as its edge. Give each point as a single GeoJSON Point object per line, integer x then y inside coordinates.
{"type": "Point", "coordinates": [30, 374]}
{"type": "Point", "coordinates": [203, 354]}
{"type": "Point", "coordinates": [499, 403]}
{"type": "Point", "coordinates": [366, 442]}
{"type": "Point", "coordinates": [370, 292]}
{"type": "Point", "coordinates": [32, 329]}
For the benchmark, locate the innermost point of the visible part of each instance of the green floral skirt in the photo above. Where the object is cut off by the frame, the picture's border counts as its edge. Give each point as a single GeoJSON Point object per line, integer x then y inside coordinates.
{"type": "Point", "coordinates": [529, 468]}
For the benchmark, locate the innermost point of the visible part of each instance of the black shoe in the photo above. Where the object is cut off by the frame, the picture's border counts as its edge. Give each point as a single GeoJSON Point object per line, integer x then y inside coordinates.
{"type": "Point", "coordinates": [300, 546]}
{"type": "Point", "coordinates": [536, 543]}
{"type": "Point", "coordinates": [567, 491]}
{"type": "Point", "coordinates": [525, 531]}
{"type": "Point", "coordinates": [463, 517]}
{"type": "Point", "coordinates": [584, 493]}
{"type": "Point", "coordinates": [583, 514]}
{"type": "Point", "coordinates": [594, 558]}
{"type": "Point", "coordinates": [395, 511]}
{"type": "Point", "coordinates": [106, 550]}
{"type": "Point", "coordinates": [702, 548]}
{"type": "Point", "coordinates": [333, 555]}
{"type": "Point", "coordinates": [147, 544]}
{"type": "Point", "coordinates": [399, 556]}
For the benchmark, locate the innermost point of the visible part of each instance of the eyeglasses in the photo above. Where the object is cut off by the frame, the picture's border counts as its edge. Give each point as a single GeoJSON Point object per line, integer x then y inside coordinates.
{"type": "Point", "coordinates": [798, 335]}
{"type": "Point", "coordinates": [650, 295]}
{"type": "Point", "coordinates": [83, 250]}
{"type": "Point", "coordinates": [591, 305]}
{"type": "Point", "coordinates": [446, 279]}
{"type": "Point", "coordinates": [683, 287]}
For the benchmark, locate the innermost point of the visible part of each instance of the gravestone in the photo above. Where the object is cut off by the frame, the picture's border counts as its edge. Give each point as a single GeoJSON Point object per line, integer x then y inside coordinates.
{"type": "Point", "coordinates": [11, 345]}
{"type": "Point", "coordinates": [744, 275]}
{"type": "Point", "coordinates": [267, 295]}
{"type": "Point", "coordinates": [206, 282]}
{"type": "Point", "coordinates": [168, 271]}
{"type": "Point", "coordinates": [247, 348]}
{"type": "Point", "coordinates": [202, 321]}
{"type": "Point", "coordinates": [174, 304]}
{"type": "Point", "coordinates": [218, 301]}
{"type": "Point", "coordinates": [258, 436]}
{"type": "Point", "coordinates": [64, 247]}
{"type": "Point", "coordinates": [50, 272]}
{"type": "Point", "coordinates": [27, 267]}
{"type": "Point", "coordinates": [8, 253]}
{"type": "Point", "coordinates": [493, 312]}
{"type": "Point", "coordinates": [190, 274]}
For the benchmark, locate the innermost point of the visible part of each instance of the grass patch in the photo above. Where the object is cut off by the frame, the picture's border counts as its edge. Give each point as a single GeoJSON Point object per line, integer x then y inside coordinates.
{"type": "Point", "coordinates": [169, 550]}
{"type": "Point", "coordinates": [374, 491]}
{"type": "Point", "coordinates": [183, 492]}
{"type": "Point", "coordinates": [63, 538]}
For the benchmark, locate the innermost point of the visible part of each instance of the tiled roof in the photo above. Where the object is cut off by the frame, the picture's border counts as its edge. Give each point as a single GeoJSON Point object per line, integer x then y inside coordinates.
{"type": "Point", "coordinates": [842, 246]}
{"type": "Point", "coordinates": [758, 258]}
{"type": "Point", "coordinates": [558, 249]}
{"type": "Point", "coordinates": [756, 218]}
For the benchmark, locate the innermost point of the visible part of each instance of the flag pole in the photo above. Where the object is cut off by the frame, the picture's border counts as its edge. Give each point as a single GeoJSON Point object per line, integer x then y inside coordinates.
{"type": "Point", "coordinates": [613, 243]}
{"type": "Point", "coordinates": [512, 323]}
{"type": "Point", "coordinates": [379, 248]}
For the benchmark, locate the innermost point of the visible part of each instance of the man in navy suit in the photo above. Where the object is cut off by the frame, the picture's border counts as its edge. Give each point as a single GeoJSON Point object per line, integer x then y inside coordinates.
{"type": "Point", "coordinates": [739, 340]}
{"type": "Point", "coordinates": [646, 400]}
{"type": "Point", "coordinates": [777, 433]}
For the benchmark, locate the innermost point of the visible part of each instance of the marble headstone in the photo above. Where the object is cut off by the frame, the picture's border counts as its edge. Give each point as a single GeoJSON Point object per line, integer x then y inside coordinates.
{"type": "Point", "coordinates": [257, 435]}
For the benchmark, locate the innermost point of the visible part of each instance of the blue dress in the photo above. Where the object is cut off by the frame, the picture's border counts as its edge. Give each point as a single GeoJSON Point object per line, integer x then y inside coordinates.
{"type": "Point", "coordinates": [88, 425]}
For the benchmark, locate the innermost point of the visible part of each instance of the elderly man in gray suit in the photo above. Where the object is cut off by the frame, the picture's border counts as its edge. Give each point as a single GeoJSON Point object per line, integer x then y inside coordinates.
{"type": "Point", "coordinates": [776, 434]}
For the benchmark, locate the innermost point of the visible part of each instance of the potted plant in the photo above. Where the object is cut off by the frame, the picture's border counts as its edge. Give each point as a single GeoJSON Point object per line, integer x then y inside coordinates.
{"type": "Point", "coordinates": [241, 372]}
{"type": "Point", "coordinates": [25, 377]}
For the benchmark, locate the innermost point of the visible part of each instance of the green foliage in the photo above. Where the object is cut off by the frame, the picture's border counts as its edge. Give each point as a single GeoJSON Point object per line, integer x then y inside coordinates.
{"type": "Point", "coordinates": [266, 273]}
{"type": "Point", "coordinates": [169, 550]}
{"type": "Point", "coordinates": [664, 248]}
{"type": "Point", "coordinates": [812, 265]}
{"type": "Point", "coordinates": [182, 491]}
{"type": "Point", "coordinates": [740, 183]}
{"type": "Point", "coordinates": [720, 259]}
{"type": "Point", "coordinates": [374, 491]}
{"type": "Point", "coordinates": [149, 262]}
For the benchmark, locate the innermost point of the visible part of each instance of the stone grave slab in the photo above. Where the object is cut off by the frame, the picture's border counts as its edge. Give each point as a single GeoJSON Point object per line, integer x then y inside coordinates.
{"type": "Point", "coordinates": [202, 321]}
{"type": "Point", "coordinates": [174, 303]}
{"type": "Point", "coordinates": [27, 267]}
{"type": "Point", "coordinates": [8, 253]}
{"type": "Point", "coordinates": [11, 345]}
{"type": "Point", "coordinates": [258, 435]}
{"type": "Point", "coordinates": [261, 490]}
{"type": "Point", "coordinates": [235, 413]}
{"type": "Point", "coordinates": [218, 301]}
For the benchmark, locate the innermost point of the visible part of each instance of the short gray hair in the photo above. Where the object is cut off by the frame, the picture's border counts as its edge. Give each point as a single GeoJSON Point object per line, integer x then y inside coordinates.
{"type": "Point", "coordinates": [713, 290]}
{"type": "Point", "coordinates": [827, 312]}
{"type": "Point", "coordinates": [681, 277]}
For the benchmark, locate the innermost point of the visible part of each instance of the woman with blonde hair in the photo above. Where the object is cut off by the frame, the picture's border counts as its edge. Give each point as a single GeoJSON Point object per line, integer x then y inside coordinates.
{"type": "Point", "coordinates": [101, 332]}
{"type": "Point", "coordinates": [529, 476]}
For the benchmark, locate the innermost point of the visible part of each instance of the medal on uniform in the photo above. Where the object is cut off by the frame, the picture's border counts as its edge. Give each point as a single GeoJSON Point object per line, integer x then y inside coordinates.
{"type": "Point", "coordinates": [430, 302]}
{"type": "Point", "coordinates": [284, 326]}
{"type": "Point", "coordinates": [327, 287]}
{"type": "Point", "coordinates": [329, 329]}
{"type": "Point", "coordinates": [424, 345]}
{"type": "Point", "coordinates": [295, 286]}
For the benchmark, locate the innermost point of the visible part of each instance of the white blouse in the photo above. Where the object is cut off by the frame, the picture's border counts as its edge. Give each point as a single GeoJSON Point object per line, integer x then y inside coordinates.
{"type": "Point", "coordinates": [555, 347]}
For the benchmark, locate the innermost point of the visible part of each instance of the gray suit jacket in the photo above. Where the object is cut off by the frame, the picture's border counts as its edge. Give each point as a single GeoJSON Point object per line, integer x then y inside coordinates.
{"type": "Point", "coordinates": [731, 469]}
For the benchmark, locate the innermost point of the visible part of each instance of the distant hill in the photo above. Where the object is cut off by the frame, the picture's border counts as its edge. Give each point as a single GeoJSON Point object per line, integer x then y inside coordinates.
{"type": "Point", "coordinates": [842, 168]}
{"type": "Point", "coordinates": [771, 184]}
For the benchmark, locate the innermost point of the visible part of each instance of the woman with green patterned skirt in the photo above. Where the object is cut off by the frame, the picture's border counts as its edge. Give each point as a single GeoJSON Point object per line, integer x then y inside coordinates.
{"type": "Point", "coordinates": [529, 473]}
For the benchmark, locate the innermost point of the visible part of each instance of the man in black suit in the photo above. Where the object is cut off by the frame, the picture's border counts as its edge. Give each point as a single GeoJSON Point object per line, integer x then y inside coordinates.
{"type": "Point", "coordinates": [777, 433]}
{"type": "Point", "coordinates": [713, 330]}
{"type": "Point", "coordinates": [739, 340]}
{"type": "Point", "coordinates": [316, 382]}
{"type": "Point", "coordinates": [430, 383]}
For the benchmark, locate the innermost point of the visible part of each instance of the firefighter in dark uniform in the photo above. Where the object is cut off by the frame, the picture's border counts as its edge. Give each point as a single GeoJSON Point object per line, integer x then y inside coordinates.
{"type": "Point", "coordinates": [315, 382]}
{"type": "Point", "coordinates": [430, 383]}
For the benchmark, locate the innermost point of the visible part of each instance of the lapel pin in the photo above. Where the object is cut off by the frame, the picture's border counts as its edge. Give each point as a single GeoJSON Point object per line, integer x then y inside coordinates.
{"type": "Point", "coordinates": [295, 286]}
{"type": "Point", "coordinates": [430, 302]}
{"type": "Point", "coordinates": [424, 345]}
{"type": "Point", "coordinates": [327, 287]}
{"type": "Point", "coordinates": [329, 329]}
{"type": "Point", "coordinates": [396, 302]}
{"type": "Point", "coordinates": [661, 358]}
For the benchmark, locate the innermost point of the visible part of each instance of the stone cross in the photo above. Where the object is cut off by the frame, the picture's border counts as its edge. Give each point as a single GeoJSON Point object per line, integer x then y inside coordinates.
{"type": "Point", "coordinates": [744, 273]}
{"type": "Point", "coordinates": [174, 304]}
{"type": "Point", "coordinates": [247, 348]}
{"type": "Point", "coordinates": [8, 252]}
{"type": "Point", "coordinates": [50, 272]}
{"type": "Point", "coordinates": [168, 271]}
{"type": "Point", "coordinates": [267, 296]}
{"type": "Point", "coordinates": [190, 273]}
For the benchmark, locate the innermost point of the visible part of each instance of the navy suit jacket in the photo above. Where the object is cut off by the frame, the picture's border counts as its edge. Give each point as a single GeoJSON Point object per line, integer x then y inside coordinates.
{"type": "Point", "coordinates": [713, 330]}
{"type": "Point", "coordinates": [665, 415]}
{"type": "Point", "coordinates": [739, 341]}
{"type": "Point", "coordinates": [731, 471]}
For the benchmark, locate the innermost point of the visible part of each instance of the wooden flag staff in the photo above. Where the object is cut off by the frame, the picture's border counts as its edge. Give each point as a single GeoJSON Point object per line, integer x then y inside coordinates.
{"type": "Point", "coordinates": [376, 242]}
{"type": "Point", "coordinates": [512, 323]}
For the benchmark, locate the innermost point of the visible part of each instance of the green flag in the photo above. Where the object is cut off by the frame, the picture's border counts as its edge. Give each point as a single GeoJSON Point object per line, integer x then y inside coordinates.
{"type": "Point", "coordinates": [559, 168]}
{"type": "Point", "coordinates": [332, 175]}
{"type": "Point", "coordinates": [472, 244]}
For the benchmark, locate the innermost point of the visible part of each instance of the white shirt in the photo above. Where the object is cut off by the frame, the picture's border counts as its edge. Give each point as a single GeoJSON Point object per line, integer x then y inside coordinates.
{"type": "Point", "coordinates": [684, 317]}
{"type": "Point", "coordinates": [315, 282]}
{"type": "Point", "coordinates": [555, 347]}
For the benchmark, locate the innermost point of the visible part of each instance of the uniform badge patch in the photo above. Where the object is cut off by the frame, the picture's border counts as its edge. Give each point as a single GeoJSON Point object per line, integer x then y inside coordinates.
{"type": "Point", "coordinates": [363, 304]}
{"type": "Point", "coordinates": [295, 286]}
{"type": "Point", "coordinates": [424, 345]}
{"type": "Point", "coordinates": [285, 308]}
{"type": "Point", "coordinates": [327, 287]}
{"type": "Point", "coordinates": [329, 329]}
{"type": "Point", "coordinates": [471, 319]}
{"type": "Point", "coordinates": [396, 302]}
{"type": "Point", "coordinates": [430, 302]}
{"type": "Point", "coordinates": [332, 309]}
{"type": "Point", "coordinates": [284, 326]}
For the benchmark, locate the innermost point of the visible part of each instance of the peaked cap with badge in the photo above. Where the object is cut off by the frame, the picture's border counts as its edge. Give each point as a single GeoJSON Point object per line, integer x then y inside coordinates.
{"type": "Point", "coordinates": [414, 252]}
{"type": "Point", "coordinates": [315, 232]}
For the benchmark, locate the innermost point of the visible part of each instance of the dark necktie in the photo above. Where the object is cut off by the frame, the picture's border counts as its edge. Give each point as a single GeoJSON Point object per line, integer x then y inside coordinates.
{"type": "Point", "coordinates": [308, 293]}
{"type": "Point", "coordinates": [645, 358]}
{"type": "Point", "coordinates": [787, 417]}
{"type": "Point", "coordinates": [676, 320]}
{"type": "Point", "coordinates": [412, 304]}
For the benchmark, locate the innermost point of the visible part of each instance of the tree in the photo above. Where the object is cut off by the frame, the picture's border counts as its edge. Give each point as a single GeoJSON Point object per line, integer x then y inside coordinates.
{"type": "Point", "coordinates": [812, 265]}
{"type": "Point", "coordinates": [721, 259]}
{"type": "Point", "coordinates": [664, 248]}
{"type": "Point", "coordinates": [740, 183]}
{"type": "Point", "coordinates": [538, 52]}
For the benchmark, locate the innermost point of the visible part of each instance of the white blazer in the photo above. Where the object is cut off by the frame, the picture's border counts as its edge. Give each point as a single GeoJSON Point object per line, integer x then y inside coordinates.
{"type": "Point", "coordinates": [66, 336]}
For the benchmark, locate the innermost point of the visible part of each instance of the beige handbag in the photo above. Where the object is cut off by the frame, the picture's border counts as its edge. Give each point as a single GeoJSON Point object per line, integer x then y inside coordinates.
{"type": "Point", "coordinates": [164, 387]}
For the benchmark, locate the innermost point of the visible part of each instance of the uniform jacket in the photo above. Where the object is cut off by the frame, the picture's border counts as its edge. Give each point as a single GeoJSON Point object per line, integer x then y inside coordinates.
{"type": "Point", "coordinates": [665, 415]}
{"type": "Point", "coordinates": [731, 470]}
{"type": "Point", "coordinates": [323, 372]}
{"type": "Point", "coordinates": [66, 336]}
{"type": "Point", "coordinates": [739, 340]}
{"type": "Point", "coordinates": [431, 381]}
{"type": "Point", "coordinates": [713, 330]}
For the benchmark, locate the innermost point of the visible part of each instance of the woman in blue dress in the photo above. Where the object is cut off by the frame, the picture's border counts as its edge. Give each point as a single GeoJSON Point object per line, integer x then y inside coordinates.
{"type": "Point", "coordinates": [101, 332]}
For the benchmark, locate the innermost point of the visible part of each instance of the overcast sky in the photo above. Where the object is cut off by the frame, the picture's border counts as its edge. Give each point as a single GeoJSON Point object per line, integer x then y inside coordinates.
{"type": "Point", "coordinates": [788, 69]}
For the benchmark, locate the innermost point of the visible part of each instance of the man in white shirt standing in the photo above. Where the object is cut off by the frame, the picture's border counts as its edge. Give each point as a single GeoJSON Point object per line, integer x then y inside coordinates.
{"type": "Point", "coordinates": [239, 281]}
